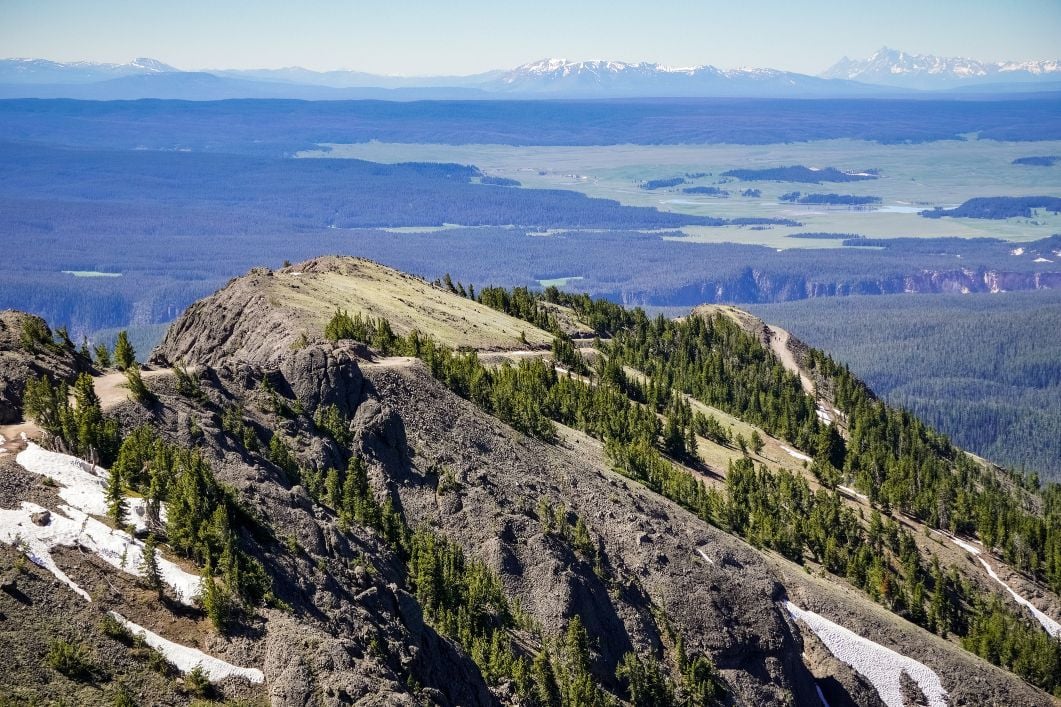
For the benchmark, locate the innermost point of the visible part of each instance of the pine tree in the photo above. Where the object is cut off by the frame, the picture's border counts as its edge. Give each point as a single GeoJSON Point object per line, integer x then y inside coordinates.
{"type": "Point", "coordinates": [757, 442]}
{"type": "Point", "coordinates": [103, 357]}
{"type": "Point", "coordinates": [149, 570]}
{"type": "Point", "coordinates": [137, 387]}
{"type": "Point", "coordinates": [546, 689]}
{"type": "Point", "coordinates": [333, 488]}
{"type": "Point", "coordinates": [124, 353]}
{"type": "Point", "coordinates": [116, 504]}
{"type": "Point", "coordinates": [214, 599]}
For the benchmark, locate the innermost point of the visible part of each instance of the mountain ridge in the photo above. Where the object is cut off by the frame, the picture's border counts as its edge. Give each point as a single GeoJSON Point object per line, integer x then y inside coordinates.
{"type": "Point", "coordinates": [382, 480]}
{"type": "Point", "coordinates": [887, 72]}
{"type": "Point", "coordinates": [893, 67]}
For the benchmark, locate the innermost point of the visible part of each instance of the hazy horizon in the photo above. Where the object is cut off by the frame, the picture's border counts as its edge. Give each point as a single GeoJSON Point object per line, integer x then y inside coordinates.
{"type": "Point", "coordinates": [409, 39]}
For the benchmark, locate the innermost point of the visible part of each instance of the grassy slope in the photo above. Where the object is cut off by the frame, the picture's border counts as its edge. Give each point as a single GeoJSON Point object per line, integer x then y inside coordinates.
{"type": "Point", "coordinates": [407, 302]}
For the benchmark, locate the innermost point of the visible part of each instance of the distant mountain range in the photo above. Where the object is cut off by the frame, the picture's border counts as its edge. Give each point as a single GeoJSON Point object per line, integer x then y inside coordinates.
{"type": "Point", "coordinates": [892, 67]}
{"type": "Point", "coordinates": [887, 72]}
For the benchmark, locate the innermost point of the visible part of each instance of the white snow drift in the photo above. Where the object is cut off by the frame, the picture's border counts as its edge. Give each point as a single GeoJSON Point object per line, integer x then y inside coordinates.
{"type": "Point", "coordinates": [881, 666]}
{"type": "Point", "coordinates": [73, 528]}
{"type": "Point", "coordinates": [82, 486]}
{"type": "Point", "coordinates": [186, 659]}
{"type": "Point", "coordinates": [798, 455]}
{"type": "Point", "coordinates": [1052, 627]}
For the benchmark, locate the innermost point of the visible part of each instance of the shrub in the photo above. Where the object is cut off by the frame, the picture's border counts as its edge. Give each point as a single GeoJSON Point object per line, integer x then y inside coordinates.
{"type": "Point", "coordinates": [70, 659]}
{"type": "Point", "coordinates": [113, 628]}
{"type": "Point", "coordinates": [197, 682]}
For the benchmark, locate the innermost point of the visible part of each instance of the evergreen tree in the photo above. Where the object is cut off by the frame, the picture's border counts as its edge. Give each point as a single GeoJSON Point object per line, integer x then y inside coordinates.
{"type": "Point", "coordinates": [757, 442]}
{"type": "Point", "coordinates": [137, 388]}
{"type": "Point", "coordinates": [149, 570]}
{"type": "Point", "coordinates": [103, 356]}
{"type": "Point", "coordinates": [215, 600]}
{"type": "Point", "coordinates": [116, 504]}
{"type": "Point", "coordinates": [546, 690]}
{"type": "Point", "coordinates": [124, 354]}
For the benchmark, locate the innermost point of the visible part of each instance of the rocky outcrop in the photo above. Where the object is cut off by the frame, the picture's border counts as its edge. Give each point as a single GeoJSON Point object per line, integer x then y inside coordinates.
{"type": "Point", "coordinates": [237, 322]}
{"type": "Point", "coordinates": [28, 349]}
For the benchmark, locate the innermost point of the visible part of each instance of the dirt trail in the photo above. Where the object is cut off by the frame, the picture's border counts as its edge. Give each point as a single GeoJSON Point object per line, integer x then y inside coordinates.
{"type": "Point", "coordinates": [113, 388]}
{"type": "Point", "coordinates": [779, 339]}
{"type": "Point", "coordinates": [390, 362]}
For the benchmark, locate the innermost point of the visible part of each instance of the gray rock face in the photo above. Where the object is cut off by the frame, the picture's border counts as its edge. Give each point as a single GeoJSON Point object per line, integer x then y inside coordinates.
{"type": "Point", "coordinates": [236, 323]}
{"type": "Point", "coordinates": [18, 363]}
{"type": "Point", "coordinates": [648, 546]}
{"type": "Point", "coordinates": [325, 374]}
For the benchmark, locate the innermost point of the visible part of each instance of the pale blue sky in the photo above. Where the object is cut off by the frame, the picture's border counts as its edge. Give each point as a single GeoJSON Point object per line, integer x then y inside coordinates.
{"type": "Point", "coordinates": [468, 36]}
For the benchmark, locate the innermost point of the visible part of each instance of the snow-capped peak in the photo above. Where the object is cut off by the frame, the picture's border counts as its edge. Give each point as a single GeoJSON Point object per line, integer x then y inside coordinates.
{"type": "Point", "coordinates": [899, 68]}
{"type": "Point", "coordinates": [564, 67]}
{"type": "Point", "coordinates": [151, 65]}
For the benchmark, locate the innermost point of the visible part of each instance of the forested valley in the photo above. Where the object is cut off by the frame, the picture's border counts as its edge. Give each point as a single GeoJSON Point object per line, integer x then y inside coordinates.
{"type": "Point", "coordinates": [984, 369]}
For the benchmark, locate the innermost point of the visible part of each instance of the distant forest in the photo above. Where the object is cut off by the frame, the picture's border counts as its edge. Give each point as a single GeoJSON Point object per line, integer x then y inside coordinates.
{"type": "Point", "coordinates": [796, 197]}
{"type": "Point", "coordinates": [662, 183]}
{"type": "Point", "coordinates": [278, 128]}
{"type": "Point", "coordinates": [707, 191]}
{"type": "Point", "coordinates": [1037, 161]}
{"type": "Point", "coordinates": [799, 173]}
{"type": "Point", "coordinates": [984, 368]}
{"type": "Point", "coordinates": [998, 207]}
{"type": "Point", "coordinates": [154, 192]}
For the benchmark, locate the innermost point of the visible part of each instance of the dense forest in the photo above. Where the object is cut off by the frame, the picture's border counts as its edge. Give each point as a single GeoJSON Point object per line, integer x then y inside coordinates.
{"type": "Point", "coordinates": [795, 197]}
{"type": "Point", "coordinates": [799, 173]}
{"type": "Point", "coordinates": [998, 207]}
{"type": "Point", "coordinates": [1037, 161]}
{"type": "Point", "coordinates": [275, 127]}
{"type": "Point", "coordinates": [705, 191]}
{"type": "Point", "coordinates": [984, 369]}
{"type": "Point", "coordinates": [160, 276]}
{"type": "Point", "coordinates": [295, 195]}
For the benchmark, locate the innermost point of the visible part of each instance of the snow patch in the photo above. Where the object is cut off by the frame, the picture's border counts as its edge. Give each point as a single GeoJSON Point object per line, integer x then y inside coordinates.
{"type": "Point", "coordinates": [1052, 627]}
{"type": "Point", "coordinates": [186, 659]}
{"type": "Point", "coordinates": [851, 492]}
{"type": "Point", "coordinates": [798, 455]}
{"type": "Point", "coordinates": [881, 666]}
{"type": "Point", "coordinates": [703, 554]}
{"type": "Point", "coordinates": [18, 529]}
{"type": "Point", "coordinates": [73, 528]}
{"type": "Point", "coordinates": [1017, 251]}
{"type": "Point", "coordinates": [824, 415]}
{"type": "Point", "coordinates": [968, 547]}
{"type": "Point", "coordinates": [84, 486]}
{"type": "Point", "coordinates": [1042, 260]}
